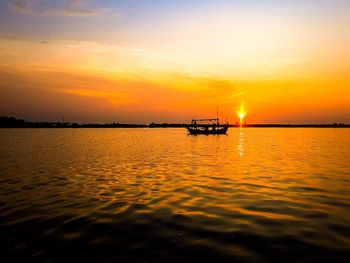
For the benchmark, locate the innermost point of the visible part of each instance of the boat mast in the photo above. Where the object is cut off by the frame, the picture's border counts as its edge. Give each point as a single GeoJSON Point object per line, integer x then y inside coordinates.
{"type": "Point", "coordinates": [217, 115]}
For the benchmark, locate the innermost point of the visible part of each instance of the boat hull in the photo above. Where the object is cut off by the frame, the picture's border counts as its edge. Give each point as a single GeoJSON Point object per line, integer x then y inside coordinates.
{"type": "Point", "coordinates": [195, 131]}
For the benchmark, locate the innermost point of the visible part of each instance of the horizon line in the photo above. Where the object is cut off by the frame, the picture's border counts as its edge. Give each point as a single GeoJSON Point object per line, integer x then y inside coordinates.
{"type": "Point", "coordinates": [17, 122]}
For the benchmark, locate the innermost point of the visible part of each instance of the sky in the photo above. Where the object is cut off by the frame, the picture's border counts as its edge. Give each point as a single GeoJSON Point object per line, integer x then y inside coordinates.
{"type": "Point", "coordinates": [142, 61]}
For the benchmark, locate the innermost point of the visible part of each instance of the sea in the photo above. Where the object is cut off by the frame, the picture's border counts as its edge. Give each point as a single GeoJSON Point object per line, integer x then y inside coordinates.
{"type": "Point", "coordinates": [161, 195]}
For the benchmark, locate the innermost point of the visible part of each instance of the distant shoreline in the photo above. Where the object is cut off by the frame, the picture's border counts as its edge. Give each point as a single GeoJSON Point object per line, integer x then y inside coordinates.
{"type": "Point", "coordinates": [11, 122]}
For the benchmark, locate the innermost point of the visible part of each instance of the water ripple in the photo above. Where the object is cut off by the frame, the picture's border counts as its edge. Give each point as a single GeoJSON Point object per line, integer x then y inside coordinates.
{"type": "Point", "coordinates": [158, 195]}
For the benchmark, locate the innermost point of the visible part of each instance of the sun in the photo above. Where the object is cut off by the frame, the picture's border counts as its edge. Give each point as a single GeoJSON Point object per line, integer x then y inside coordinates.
{"type": "Point", "coordinates": [241, 113]}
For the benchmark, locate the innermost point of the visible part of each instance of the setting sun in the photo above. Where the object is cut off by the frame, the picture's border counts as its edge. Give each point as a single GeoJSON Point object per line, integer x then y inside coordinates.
{"type": "Point", "coordinates": [241, 113]}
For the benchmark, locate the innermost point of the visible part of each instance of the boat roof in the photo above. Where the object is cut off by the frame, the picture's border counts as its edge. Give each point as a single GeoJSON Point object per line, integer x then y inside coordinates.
{"type": "Point", "coordinates": [216, 119]}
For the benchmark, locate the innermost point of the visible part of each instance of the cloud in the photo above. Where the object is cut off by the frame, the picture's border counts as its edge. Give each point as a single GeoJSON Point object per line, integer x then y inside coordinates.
{"type": "Point", "coordinates": [112, 97]}
{"type": "Point", "coordinates": [71, 8]}
{"type": "Point", "coordinates": [22, 6]}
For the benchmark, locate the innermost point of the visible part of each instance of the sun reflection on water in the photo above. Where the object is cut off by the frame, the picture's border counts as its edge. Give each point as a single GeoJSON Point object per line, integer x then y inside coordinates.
{"type": "Point", "coordinates": [240, 145]}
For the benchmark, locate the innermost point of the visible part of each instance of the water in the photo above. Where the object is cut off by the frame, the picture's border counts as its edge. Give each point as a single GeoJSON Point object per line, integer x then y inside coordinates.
{"type": "Point", "coordinates": [159, 195]}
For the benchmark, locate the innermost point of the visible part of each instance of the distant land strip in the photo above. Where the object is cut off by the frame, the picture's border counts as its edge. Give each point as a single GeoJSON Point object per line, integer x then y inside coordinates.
{"type": "Point", "coordinates": [11, 122]}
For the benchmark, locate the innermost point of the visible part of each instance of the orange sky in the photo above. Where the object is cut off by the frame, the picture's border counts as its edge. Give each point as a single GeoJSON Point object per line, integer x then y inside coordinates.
{"type": "Point", "coordinates": [288, 62]}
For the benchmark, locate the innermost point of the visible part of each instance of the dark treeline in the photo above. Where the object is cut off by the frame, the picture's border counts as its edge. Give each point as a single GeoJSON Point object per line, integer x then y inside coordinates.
{"type": "Point", "coordinates": [167, 125]}
{"type": "Point", "coordinates": [11, 122]}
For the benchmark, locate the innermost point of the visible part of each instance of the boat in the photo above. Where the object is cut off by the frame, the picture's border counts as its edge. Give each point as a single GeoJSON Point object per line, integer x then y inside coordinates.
{"type": "Point", "coordinates": [214, 128]}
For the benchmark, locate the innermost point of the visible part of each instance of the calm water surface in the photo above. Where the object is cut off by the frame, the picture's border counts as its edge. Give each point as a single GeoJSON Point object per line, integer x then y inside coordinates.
{"type": "Point", "coordinates": [159, 195]}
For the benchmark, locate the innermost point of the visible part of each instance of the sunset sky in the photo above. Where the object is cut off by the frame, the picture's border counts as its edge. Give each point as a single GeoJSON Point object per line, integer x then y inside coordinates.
{"type": "Point", "coordinates": [143, 61]}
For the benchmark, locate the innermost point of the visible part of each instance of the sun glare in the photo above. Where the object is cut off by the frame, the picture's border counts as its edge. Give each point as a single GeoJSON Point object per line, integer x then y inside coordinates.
{"type": "Point", "coordinates": [241, 114]}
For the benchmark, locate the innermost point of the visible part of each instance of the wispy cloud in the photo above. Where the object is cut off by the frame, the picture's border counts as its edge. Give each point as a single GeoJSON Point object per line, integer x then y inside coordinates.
{"type": "Point", "coordinates": [71, 8]}
{"type": "Point", "coordinates": [114, 98]}
{"type": "Point", "coordinates": [22, 6]}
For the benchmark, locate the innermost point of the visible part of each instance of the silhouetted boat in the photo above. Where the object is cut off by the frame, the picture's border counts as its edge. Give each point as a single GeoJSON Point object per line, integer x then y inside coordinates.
{"type": "Point", "coordinates": [214, 128]}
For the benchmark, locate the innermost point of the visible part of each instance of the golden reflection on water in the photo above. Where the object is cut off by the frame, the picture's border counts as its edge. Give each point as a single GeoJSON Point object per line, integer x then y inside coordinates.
{"type": "Point", "coordinates": [240, 146]}
{"type": "Point", "coordinates": [278, 182]}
